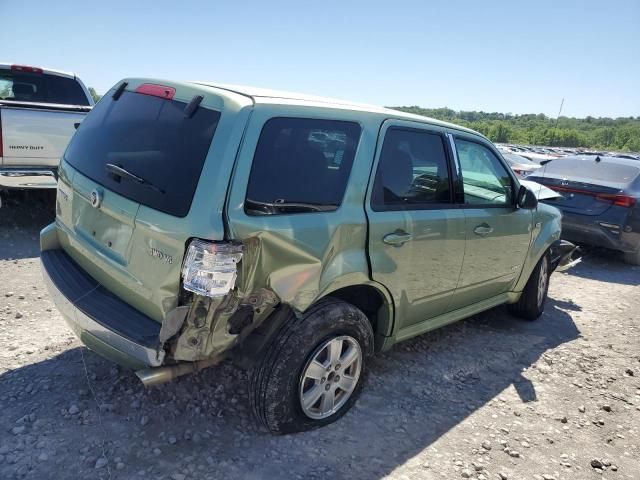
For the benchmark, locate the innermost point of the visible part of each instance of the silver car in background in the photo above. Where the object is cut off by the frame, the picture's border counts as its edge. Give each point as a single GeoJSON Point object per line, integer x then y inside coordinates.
{"type": "Point", "coordinates": [521, 166]}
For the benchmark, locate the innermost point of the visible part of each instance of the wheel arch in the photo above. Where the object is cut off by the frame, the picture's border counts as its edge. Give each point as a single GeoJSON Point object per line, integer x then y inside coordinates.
{"type": "Point", "coordinates": [374, 301]}
{"type": "Point", "coordinates": [548, 232]}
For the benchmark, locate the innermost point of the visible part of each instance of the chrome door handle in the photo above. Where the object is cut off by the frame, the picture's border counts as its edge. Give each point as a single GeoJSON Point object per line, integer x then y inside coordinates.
{"type": "Point", "coordinates": [483, 229]}
{"type": "Point", "coordinates": [397, 238]}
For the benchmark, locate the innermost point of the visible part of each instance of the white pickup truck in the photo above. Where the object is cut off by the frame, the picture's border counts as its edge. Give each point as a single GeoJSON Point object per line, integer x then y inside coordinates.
{"type": "Point", "coordinates": [39, 112]}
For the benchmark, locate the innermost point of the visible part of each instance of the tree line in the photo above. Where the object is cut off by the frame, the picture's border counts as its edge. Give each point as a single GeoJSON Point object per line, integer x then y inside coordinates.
{"type": "Point", "coordinates": [618, 134]}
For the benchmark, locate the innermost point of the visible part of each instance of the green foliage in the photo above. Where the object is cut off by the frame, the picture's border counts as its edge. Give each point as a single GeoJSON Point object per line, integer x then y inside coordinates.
{"type": "Point", "coordinates": [619, 134]}
{"type": "Point", "coordinates": [95, 96]}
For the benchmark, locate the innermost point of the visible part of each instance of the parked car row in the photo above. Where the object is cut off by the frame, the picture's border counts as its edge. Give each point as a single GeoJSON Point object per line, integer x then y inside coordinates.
{"type": "Point", "coordinates": [541, 154]}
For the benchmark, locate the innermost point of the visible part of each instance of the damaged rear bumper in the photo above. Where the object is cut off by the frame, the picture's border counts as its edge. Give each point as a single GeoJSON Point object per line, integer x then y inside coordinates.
{"type": "Point", "coordinates": [564, 255]}
{"type": "Point", "coordinates": [102, 321]}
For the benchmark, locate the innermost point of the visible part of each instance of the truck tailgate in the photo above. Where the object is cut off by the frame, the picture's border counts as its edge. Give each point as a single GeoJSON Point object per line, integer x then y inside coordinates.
{"type": "Point", "coordinates": [37, 135]}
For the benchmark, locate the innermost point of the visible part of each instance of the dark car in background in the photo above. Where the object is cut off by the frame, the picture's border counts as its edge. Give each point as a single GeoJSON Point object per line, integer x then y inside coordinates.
{"type": "Point", "coordinates": [599, 201]}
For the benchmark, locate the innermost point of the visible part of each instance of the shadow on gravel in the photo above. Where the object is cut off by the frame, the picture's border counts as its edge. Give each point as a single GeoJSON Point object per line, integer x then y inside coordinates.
{"type": "Point", "coordinates": [606, 266]}
{"type": "Point", "coordinates": [415, 393]}
{"type": "Point", "coordinates": [22, 216]}
{"type": "Point", "coordinates": [202, 423]}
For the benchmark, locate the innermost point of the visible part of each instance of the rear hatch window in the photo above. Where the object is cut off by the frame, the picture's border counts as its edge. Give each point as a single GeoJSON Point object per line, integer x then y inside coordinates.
{"type": "Point", "coordinates": [147, 137]}
{"type": "Point", "coordinates": [589, 171]}
{"type": "Point", "coordinates": [41, 88]}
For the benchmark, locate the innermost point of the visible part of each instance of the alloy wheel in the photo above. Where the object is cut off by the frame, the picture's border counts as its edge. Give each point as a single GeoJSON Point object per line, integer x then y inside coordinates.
{"type": "Point", "coordinates": [543, 281]}
{"type": "Point", "coordinates": [330, 377]}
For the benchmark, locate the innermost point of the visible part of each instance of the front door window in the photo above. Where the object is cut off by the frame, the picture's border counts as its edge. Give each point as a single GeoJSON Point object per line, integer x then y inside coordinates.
{"type": "Point", "coordinates": [485, 179]}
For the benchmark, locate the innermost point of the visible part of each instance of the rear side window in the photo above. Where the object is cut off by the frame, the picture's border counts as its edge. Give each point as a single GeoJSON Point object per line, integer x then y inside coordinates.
{"type": "Point", "coordinates": [43, 88]}
{"type": "Point", "coordinates": [485, 179]}
{"type": "Point", "coordinates": [412, 173]}
{"type": "Point", "coordinates": [152, 139]}
{"type": "Point", "coordinates": [301, 165]}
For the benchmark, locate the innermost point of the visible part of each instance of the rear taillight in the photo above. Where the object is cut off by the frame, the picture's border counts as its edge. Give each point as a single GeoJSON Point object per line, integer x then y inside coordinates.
{"type": "Point", "coordinates": [209, 268]}
{"type": "Point", "coordinates": [26, 69]}
{"type": "Point", "coordinates": [156, 90]}
{"type": "Point", "coordinates": [619, 200]}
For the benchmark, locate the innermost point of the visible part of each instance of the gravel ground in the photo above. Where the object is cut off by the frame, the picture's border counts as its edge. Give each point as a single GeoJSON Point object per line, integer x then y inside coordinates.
{"type": "Point", "coordinates": [490, 397]}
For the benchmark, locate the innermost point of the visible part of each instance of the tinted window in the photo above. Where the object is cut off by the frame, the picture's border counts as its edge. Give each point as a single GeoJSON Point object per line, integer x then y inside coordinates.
{"type": "Point", "coordinates": [412, 171]}
{"type": "Point", "coordinates": [65, 90]}
{"type": "Point", "coordinates": [301, 165]}
{"type": "Point", "coordinates": [31, 87]}
{"type": "Point", "coordinates": [151, 138]}
{"type": "Point", "coordinates": [485, 179]}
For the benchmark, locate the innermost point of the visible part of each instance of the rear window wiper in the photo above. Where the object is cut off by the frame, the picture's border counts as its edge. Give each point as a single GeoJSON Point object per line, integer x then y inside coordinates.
{"type": "Point", "coordinates": [280, 206]}
{"type": "Point", "coordinates": [121, 172]}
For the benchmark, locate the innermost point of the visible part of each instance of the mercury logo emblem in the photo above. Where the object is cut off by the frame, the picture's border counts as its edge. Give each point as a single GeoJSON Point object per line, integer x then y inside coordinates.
{"type": "Point", "coordinates": [96, 198]}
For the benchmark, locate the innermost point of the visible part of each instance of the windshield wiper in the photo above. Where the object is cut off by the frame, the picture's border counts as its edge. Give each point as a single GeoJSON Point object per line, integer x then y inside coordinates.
{"type": "Point", "coordinates": [121, 172]}
{"type": "Point", "coordinates": [269, 208]}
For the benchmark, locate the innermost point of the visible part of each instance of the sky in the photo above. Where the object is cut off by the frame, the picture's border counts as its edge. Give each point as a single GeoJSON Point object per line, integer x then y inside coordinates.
{"type": "Point", "coordinates": [495, 56]}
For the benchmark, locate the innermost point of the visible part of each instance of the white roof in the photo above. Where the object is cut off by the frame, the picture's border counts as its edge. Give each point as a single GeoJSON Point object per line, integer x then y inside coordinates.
{"type": "Point", "coordinates": [257, 93]}
{"type": "Point", "coordinates": [269, 93]}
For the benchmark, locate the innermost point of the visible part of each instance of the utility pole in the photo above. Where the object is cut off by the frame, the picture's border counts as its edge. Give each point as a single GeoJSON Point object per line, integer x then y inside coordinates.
{"type": "Point", "coordinates": [553, 132]}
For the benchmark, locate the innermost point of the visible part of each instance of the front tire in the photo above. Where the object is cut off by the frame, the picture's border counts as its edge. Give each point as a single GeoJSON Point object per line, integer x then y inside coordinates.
{"type": "Point", "coordinates": [534, 296]}
{"type": "Point", "coordinates": [312, 371]}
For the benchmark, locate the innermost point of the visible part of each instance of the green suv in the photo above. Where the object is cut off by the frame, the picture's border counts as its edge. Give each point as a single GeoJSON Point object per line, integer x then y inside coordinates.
{"type": "Point", "coordinates": [297, 235]}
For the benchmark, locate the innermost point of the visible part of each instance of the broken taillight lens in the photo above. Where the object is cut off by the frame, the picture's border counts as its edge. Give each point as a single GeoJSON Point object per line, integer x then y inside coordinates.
{"type": "Point", "coordinates": [209, 268]}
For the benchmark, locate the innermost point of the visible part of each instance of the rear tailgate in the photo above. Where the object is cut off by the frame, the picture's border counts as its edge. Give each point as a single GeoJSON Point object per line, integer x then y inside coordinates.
{"type": "Point", "coordinates": [36, 135]}
{"type": "Point", "coordinates": [130, 235]}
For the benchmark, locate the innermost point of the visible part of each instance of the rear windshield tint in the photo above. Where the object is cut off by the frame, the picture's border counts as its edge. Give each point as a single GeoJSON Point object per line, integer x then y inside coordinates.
{"type": "Point", "coordinates": [43, 88]}
{"type": "Point", "coordinates": [589, 169]}
{"type": "Point", "coordinates": [150, 138]}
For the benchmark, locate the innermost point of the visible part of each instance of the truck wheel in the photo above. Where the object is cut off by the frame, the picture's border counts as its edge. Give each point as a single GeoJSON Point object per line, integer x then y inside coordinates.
{"type": "Point", "coordinates": [313, 370]}
{"type": "Point", "coordinates": [531, 303]}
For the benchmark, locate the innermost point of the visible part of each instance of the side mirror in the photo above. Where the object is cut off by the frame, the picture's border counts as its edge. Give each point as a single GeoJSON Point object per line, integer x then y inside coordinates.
{"type": "Point", "coordinates": [526, 198]}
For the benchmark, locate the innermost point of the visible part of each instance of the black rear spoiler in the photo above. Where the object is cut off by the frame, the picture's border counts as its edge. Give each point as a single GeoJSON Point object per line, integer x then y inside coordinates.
{"type": "Point", "coordinates": [45, 106]}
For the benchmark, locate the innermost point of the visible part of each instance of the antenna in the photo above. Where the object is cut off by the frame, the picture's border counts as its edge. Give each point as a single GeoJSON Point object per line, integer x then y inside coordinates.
{"type": "Point", "coordinates": [553, 132]}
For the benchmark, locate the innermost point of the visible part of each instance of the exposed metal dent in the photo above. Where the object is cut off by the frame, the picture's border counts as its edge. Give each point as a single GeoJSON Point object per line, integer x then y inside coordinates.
{"type": "Point", "coordinates": [296, 283]}
{"type": "Point", "coordinates": [207, 330]}
{"type": "Point", "coordinates": [173, 322]}
{"type": "Point", "coordinates": [275, 270]}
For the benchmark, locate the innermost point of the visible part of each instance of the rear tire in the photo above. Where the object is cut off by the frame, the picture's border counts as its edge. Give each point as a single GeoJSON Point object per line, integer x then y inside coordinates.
{"type": "Point", "coordinates": [298, 359]}
{"type": "Point", "coordinates": [534, 296]}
